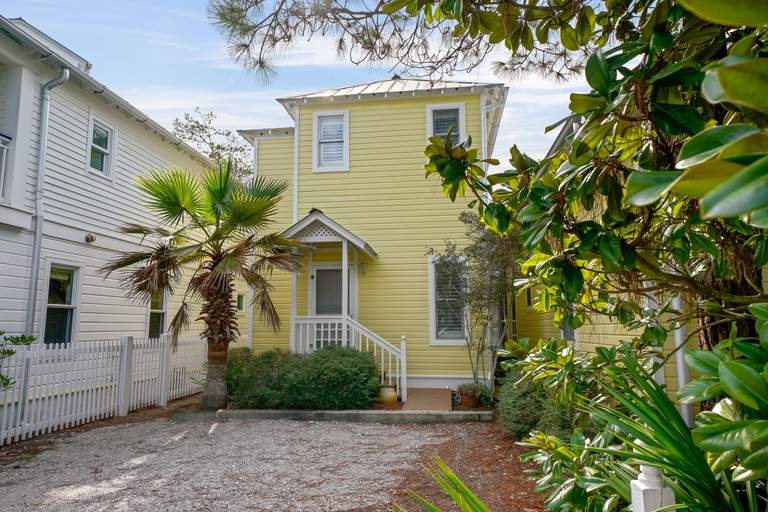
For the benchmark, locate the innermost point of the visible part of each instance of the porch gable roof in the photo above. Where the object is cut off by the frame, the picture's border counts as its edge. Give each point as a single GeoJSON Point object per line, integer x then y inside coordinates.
{"type": "Point", "coordinates": [310, 229]}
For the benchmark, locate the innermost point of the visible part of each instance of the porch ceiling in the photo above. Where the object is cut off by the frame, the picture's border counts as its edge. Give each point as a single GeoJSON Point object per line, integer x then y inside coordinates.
{"type": "Point", "coordinates": [318, 227]}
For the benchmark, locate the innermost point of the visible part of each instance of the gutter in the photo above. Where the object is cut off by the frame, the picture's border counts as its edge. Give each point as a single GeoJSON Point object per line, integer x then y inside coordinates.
{"type": "Point", "coordinates": [42, 146]}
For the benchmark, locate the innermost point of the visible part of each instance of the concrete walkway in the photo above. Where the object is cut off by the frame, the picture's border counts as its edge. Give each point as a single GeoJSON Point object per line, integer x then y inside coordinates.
{"type": "Point", "coordinates": [428, 399]}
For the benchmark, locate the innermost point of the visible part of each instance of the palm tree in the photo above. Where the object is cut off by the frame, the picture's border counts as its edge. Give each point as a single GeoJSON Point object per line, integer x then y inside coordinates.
{"type": "Point", "coordinates": [209, 231]}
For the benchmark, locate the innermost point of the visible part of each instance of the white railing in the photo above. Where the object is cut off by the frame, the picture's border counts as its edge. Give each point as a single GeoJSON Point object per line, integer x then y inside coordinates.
{"type": "Point", "coordinates": [56, 386]}
{"type": "Point", "coordinates": [311, 333]}
{"type": "Point", "coordinates": [5, 145]}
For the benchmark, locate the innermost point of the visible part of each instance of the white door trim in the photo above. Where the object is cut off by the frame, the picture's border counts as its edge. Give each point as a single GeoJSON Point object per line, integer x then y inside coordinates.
{"type": "Point", "coordinates": [331, 265]}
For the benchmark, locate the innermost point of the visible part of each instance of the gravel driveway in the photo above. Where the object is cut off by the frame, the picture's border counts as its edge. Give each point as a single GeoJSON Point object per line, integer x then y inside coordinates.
{"type": "Point", "coordinates": [274, 465]}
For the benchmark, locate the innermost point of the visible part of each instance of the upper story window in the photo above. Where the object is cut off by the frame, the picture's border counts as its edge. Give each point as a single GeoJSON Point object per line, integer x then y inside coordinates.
{"type": "Point", "coordinates": [62, 306]}
{"type": "Point", "coordinates": [447, 280]}
{"type": "Point", "coordinates": [101, 148]}
{"type": "Point", "coordinates": [445, 117]}
{"type": "Point", "coordinates": [157, 314]}
{"type": "Point", "coordinates": [330, 139]}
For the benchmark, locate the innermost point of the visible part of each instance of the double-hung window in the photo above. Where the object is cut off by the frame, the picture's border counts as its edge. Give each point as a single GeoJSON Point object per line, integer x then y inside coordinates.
{"type": "Point", "coordinates": [157, 314]}
{"type": "Point", "coordinates": [331, 141]}
{"type": "Point", "coordinates": [100, 152]}
{"type": "Point", "coordinates": [447, 304]}
{"type": "Point", "coordinates": [61, 305]}
{"type": "Point", "coordinates": [443, 118]}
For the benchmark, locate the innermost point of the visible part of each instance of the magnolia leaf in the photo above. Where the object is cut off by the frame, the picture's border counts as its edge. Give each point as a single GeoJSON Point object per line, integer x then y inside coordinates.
{"type": "Point", "coordinates": [700, 179]}
{"type": "Point", "coordinates": [599, 75]}
{"type": "Point", "coordinates": [677, 119]}
{"type": "Point", "coordinates": [644, 188]}
{"type": "Point", "coordinates": [569, 38]}
{"type": "Point", "coordinates": [736, 13]}
{"type": "Point", "coordinates": [744, 192]}
{"type": "Point", "coordinates": [742, 82]}
{"type": "Point", "coordinates": [744, 384]}
{"type": "Point", "coordinates": [707, 144]}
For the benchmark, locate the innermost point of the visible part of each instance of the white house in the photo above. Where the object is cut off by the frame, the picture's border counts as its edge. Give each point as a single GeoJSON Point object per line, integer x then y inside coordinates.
{"type": "Point", "coordinates": [70, 151]}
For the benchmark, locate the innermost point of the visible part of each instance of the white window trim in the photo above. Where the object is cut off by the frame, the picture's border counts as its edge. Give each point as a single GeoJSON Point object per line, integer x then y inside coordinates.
{"type": "Point", "coordinates": [109, 173]}
{"type": "Point", "coordinates": [433, 339]}
{"type": "Point", "coordinates": [444, 106]}
{"type": "Point", "coordinates": [69, 265]}
{"type": "Point", "coordinates": [164, 311]}
{"type": "Point", "coordinates": [316, 167]}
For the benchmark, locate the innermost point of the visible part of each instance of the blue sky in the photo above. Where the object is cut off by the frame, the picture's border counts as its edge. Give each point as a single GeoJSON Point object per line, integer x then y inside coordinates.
{"type": "Point", "coordinates": [166, 58]}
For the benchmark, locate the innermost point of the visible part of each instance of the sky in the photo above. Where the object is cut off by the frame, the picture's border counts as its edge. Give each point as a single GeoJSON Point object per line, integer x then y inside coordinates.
{"type": "Point", "coordinates": [166, 58]}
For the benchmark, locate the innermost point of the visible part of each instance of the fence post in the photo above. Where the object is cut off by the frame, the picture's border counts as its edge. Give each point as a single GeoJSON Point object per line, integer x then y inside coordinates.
{"type": "Point", "coordinates": [649, 492]}
{"type": "Point", "coordinates": [125, 380]}
{"type": "Point", "coordinates": [24, 395]}
{"type": "Point", "coordinates": [165, 371]}
{"type": "Point", "coordinates": [403, 370]}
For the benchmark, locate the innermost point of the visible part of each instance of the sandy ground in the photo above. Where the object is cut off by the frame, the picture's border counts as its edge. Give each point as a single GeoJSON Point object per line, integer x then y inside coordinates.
{"type": "Point", "coordinates": [234, 465]}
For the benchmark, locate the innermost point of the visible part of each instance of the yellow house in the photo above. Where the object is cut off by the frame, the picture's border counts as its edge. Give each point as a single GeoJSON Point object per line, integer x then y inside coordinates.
{"type": "Point", "coordinates": [358, 199]}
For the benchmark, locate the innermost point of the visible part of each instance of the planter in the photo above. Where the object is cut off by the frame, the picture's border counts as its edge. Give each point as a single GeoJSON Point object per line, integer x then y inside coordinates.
{"type": "Point", "coordinates": [469, 400]}
{"type": "Point", "coordinates": [388, 395]}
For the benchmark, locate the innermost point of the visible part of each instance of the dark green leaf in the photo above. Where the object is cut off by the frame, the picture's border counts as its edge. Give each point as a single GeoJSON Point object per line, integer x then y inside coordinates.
{"type": "Point", "coordinates": [709, 143]}
{"type": "Point", "coordinates": [750, 13]}
{"type": "Point", "coordinates": [644, 188]}
{"type": "Point", "coordinates": [744, 192]}
{"type": "Point", "coordinates": [744, 384]}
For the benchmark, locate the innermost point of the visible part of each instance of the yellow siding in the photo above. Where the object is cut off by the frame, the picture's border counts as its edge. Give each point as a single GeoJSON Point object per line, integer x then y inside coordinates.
{"type": "Point", "coordinates": [385, 200]}
{"type": "Point", "coordinates": [531, 323]}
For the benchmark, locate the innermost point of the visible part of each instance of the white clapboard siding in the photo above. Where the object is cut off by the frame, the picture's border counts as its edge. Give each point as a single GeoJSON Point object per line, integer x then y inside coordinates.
{"type": "Point", "coordinates": [60, 386]}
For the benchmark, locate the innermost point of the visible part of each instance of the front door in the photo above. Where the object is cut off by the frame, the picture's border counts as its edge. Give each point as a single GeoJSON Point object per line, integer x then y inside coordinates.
{"type": "Point", "coordinates": [327, 288]}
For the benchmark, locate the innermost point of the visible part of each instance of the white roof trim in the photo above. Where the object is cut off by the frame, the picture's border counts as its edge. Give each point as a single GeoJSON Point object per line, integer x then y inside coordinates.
{"type": "Point", "coordinates": [318, 216]}
{"type": "Point", "coordinates": [253, 134]}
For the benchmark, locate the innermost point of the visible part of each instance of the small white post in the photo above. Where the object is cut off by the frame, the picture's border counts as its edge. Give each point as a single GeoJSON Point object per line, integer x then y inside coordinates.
{"type": "Point", "coordinates": [649, 492]}
{"type": "Point", "coordinates": [683, 373]}
{"type": "Point", "coordinates": [165, 370]}
{"type": "Point", "coordinates": [125, 380]}
{"type": "Point", "coordinates": [403, 370]}
{"type": "Point", "coordinates": [294, 279]}
{"type": "Point", "coordinates": [344, 290]}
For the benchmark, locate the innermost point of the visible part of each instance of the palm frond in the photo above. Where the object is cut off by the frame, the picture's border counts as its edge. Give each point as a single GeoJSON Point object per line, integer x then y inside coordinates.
{"type": "Point", "coordinates": [247, 213]}
{"type": "Point", "coordinates": [172, 194]}
{"type": "Point", "coordinates": [260, 186]}
{"type": "Point", "coordinates": [461, 495]}
{"type": "Point", "coordinates": [145, 273]}
{"type": "Point", "coordinates": [179, 323]}
{"type": "Point", "coordinates": [274, 243]}
{"type": "Point", "coordinates": [287, 261]}
{"type": "Point", "coordinates": [219, 186]}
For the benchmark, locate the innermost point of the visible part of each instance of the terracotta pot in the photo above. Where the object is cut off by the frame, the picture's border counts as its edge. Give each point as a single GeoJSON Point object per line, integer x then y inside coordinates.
{"type": "Point", "coordinates": [388, 395]}
{"type": "Point", "coordinates": [470, 401]}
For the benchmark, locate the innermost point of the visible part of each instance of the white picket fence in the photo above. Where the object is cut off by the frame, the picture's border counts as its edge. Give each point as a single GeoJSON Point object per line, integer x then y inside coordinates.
{"type": "Point", "coordinates": [56, 386]}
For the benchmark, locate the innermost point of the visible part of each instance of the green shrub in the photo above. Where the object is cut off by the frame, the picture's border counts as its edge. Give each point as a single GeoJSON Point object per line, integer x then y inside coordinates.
{"type": "Point", "coordinates": [333, 378]}
{"type": "Point", "coordinates": [520, 405]}
{"type": "Point", "coordinates": [525, 406]}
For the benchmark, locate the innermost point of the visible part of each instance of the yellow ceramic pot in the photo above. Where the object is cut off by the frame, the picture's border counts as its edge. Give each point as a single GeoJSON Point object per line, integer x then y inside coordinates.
{"type": "Point", "coordinates": [387, 395]}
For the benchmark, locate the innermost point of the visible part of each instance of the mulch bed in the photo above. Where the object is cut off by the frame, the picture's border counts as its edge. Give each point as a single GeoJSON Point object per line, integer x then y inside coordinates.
{"type": "Point", "coordinates": [25, 449]}
{"type": "Point", "coordinates": [487, 461]}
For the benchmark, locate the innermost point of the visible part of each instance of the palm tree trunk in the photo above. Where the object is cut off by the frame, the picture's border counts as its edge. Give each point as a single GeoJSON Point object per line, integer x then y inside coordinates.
{"type": "Point", "coordinates": [215, 389]}
{"type": "Point", "coordinates": [219, 314]}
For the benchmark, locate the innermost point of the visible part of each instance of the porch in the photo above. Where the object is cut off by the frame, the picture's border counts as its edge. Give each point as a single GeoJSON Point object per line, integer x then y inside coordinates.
{"type": "Point", "coordinates": [331, 293]}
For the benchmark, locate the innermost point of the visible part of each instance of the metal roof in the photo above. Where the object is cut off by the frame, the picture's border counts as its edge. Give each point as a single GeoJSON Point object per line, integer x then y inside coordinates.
{"type": "Point", "coordinates": [392, 87]}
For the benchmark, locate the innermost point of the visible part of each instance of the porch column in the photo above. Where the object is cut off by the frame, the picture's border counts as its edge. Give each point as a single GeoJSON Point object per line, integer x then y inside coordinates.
{"type": "Point", "coordinates": [293, 312]}
{"type": "Point", "coordinates": [344, 290]}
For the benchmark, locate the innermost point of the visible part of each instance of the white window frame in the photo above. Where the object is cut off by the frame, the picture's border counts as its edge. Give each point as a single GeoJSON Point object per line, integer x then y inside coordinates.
{"type": "Point", "coordinates": [446, 106]}
{"type": "Point", "coordinates": [75, 306]}
{"type": "Point", "coordinates": [344, 166]}
{"type": "Point", "coordinates": [164, 311]}
{"type": "Point", "coordinates": [433, 339]}
{"type": "Point", "coordinates": [109, 170]}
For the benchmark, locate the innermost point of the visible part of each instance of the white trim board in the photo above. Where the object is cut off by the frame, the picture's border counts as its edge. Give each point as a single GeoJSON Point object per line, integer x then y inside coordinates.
{"type": "Point", "coordinates": [437, 381]}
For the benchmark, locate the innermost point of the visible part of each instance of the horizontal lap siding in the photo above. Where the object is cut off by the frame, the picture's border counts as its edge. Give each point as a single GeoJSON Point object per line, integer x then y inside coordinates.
{"type": "Point", "coordinates": [77, 203]}
{"type": "Point", "coordinates": [275, 160]}
{"type": "Point", "coordinates": [533, 324]}
{"type": "Point", "coordinates": [385, 200]}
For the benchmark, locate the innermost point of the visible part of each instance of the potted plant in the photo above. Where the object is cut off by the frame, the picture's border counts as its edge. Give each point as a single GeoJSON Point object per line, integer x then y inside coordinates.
{"type": "Point", "coordinates": [472, 394]}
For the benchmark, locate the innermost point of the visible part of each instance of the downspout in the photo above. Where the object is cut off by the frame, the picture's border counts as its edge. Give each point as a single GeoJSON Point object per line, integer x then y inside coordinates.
{"type": "Point", "coordinates": [45, 103]}
{"type": "Point", "coordinates": [296, 168]}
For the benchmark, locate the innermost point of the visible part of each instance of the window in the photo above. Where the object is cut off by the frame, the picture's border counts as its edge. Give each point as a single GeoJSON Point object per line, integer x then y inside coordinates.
{"type": "Point", "coordinates": [60, 312]}
{"type": "Point", "coordinates": [157, 313]}
{"type": "Point", "coordinates": [445, 117]}
{"type": "Point", "coordinates": [528, 297]}
{"type": "Point", "coordinates": [330, 138]}
{"type": "Point", "coordinates": [100, 148]}
{"type": "Point", "coordinates": [446, 302]}
{"type": "Point", "coordinates": [240, 301]}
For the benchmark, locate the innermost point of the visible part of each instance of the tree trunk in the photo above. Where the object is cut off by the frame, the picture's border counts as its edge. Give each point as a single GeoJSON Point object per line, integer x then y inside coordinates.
{"type": "Point", "coordinates": [215, 389]}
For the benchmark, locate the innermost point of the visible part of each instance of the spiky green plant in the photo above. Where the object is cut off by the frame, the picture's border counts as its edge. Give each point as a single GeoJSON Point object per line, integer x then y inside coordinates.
{"type": "Point", "coordinates": [209, 235]}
